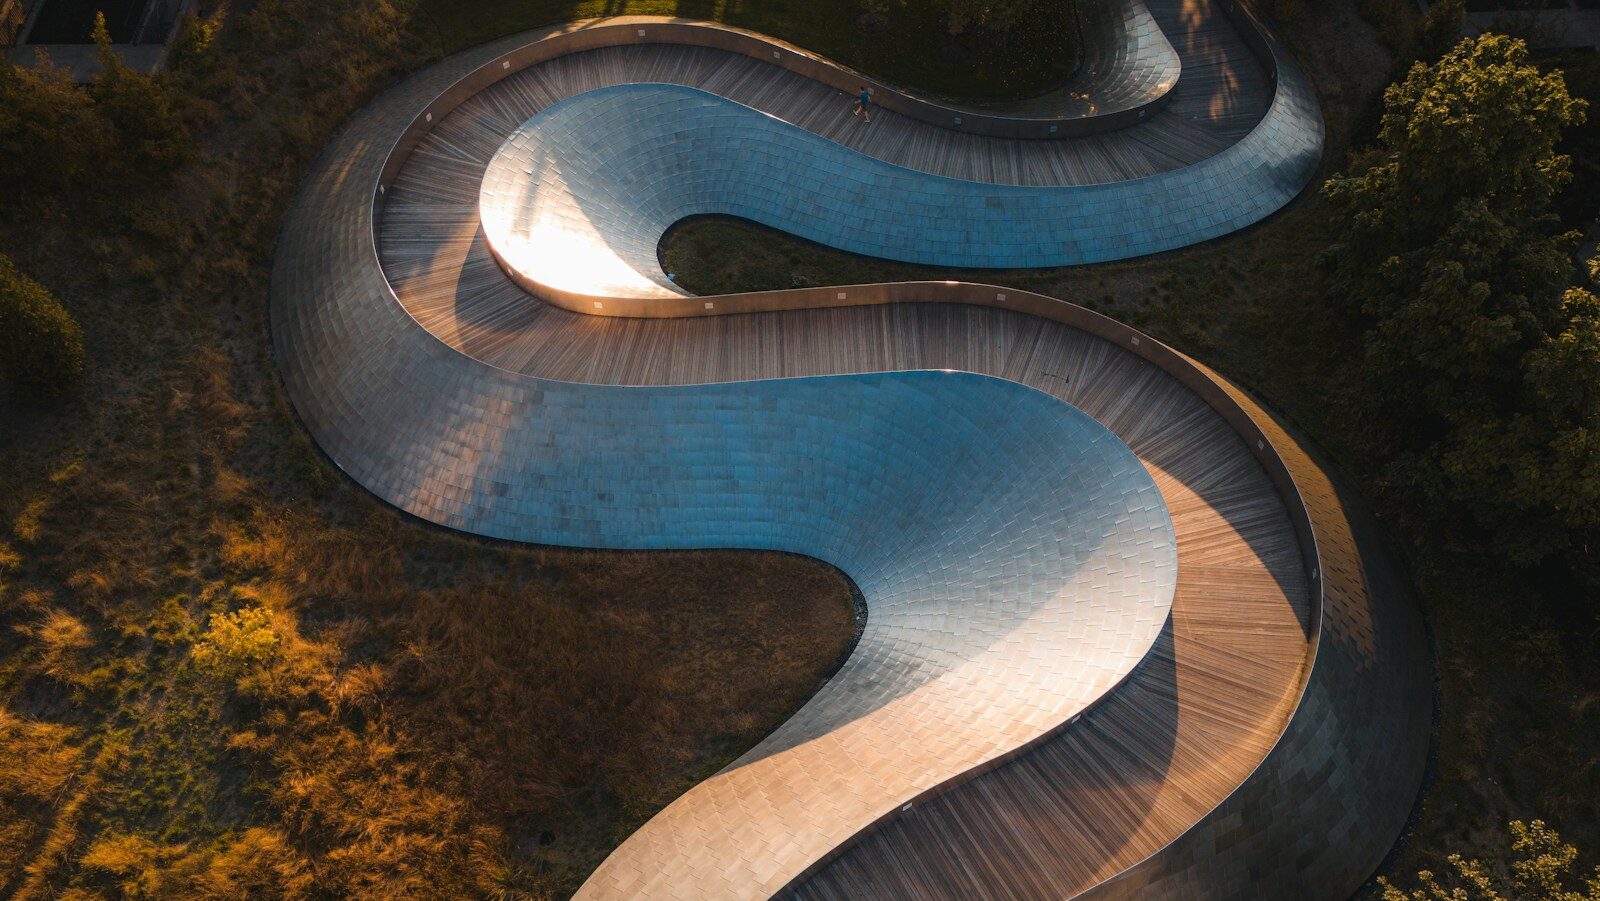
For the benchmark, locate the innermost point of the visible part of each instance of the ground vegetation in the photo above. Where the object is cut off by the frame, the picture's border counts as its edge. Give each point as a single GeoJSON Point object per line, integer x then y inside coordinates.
{"type": "Point", "coordinates": [1428, 323]}
{"type": "Point", "coordinates": [225, 670]}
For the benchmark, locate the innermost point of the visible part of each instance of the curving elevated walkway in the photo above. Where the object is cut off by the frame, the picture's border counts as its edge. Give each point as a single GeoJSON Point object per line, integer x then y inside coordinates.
{"type": "Point", "coordinates": [1120, 638]}
{"type": "Point", "coordinates": [579, 197]}
{"type": "Point", "coordinates": [1126, 67]}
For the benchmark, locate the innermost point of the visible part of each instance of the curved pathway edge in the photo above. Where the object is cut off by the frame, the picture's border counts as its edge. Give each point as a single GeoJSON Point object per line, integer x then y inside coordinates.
{"type": "Point", "coordinates": [1315, 808]}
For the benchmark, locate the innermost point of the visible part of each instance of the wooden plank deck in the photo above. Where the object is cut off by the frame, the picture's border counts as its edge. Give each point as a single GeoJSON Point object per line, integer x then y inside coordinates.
{"type": "Point", "coordinates": [1203, 710]}
{"type": "Point", "coordinates": [1221, 96]}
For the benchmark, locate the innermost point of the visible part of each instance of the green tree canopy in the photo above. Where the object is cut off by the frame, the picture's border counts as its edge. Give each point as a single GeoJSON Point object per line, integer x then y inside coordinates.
{"type": "Point", "coordinates": [1480, 125]}
{"type": "Point", "coordinates": [50, 134]}
{"type": "Point", "coordinates": [41, 347]}
{"type": "Point", "coordinates": [1479, 363]}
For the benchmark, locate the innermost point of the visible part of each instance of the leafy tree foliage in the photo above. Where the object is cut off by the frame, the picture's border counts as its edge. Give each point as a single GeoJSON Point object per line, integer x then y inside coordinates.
{"type": "Point", "coordinates": [50, 133]}
{"type": "Point", "coordinates": [41, 346]}
{"type": "Point", "coordinates": [1479, 365]}
{"type": "Point", "coordinates": [1481, 124]}
{"type": "Point", "coordinates": [1540, 868]}
{"type": "Point", "coordinates": [145, 117]}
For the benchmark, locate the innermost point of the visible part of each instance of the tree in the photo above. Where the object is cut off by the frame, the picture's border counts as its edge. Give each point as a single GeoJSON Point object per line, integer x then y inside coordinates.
{"type": "Point", "coordinates": [41, 346]}
{"type": "Point", "coordinates": [1541, 868]}
{"type": "Point", "coordinates": [51, 137]}
{"type": "Point", "coordinates": [1481, 124]}
{"type": "Point", "coordinates": [1478, 365]}
{"type": "Point", "coordinates": [146, 117]}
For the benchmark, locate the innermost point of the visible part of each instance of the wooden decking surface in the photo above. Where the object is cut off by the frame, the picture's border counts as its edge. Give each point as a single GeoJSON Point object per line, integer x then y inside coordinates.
{"type": "Point", "coordinates": [1204, 708]}
{"type": "Point", "coordinates": [1222, 94]}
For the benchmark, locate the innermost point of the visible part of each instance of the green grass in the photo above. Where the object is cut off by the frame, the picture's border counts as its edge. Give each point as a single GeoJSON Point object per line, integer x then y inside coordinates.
{"type": "Point", "coordinates": [915, 50]}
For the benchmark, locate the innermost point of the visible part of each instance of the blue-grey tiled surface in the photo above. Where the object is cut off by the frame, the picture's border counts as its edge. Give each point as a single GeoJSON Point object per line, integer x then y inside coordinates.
{"type": "Point", "coordinates": [607, 172]}
{"type": "Point", "coordinates": [454, 440]}
{"type": "Point", "coordinates": [1125, 61]}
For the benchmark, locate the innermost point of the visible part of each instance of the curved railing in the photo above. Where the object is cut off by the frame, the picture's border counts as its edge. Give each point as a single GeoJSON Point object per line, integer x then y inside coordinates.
{"type": "Point", "coordinates": [462, 443]}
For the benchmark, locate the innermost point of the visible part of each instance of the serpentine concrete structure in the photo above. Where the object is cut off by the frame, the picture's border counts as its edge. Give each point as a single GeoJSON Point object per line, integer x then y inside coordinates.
{"type": "Point", "coordinates": [1121, 638]}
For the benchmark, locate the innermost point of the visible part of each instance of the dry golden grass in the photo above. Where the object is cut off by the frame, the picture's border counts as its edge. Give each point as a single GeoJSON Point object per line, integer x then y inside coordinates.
{"type": "Point", "coordinates": [427, 713]}
{"type": "Point", "coordinates": [550, 692]}
{"type": "Point", "coordinates": [430, 715]}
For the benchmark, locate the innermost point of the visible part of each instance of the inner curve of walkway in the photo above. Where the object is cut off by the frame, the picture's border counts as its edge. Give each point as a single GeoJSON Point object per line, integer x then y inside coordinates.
{"type": "Point", "coordinates": [440, 209]}
{"type": "Point", "coordinates": [1077, 569]}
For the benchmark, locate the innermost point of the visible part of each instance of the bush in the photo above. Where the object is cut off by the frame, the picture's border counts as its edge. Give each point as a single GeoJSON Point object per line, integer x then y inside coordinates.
{"type": "Point", "coordinates": [41, 346]}
{"type": "Point", "coordinates": [145, 115]}
{"type": "Point", "coordinates": [237, 642]}
{"type": "Point", "coordinates": [1541, 870]}
{"type": "Point", "coordinates": [51, 136]}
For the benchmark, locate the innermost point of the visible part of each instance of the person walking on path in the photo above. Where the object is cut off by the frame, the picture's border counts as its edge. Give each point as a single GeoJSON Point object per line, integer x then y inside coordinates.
{"type": "Point", "coordinates": [864, 104]}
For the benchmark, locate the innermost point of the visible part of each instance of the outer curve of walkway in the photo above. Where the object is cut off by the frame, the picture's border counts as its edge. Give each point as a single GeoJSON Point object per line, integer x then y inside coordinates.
{"type": "Point", "coordinates": [1125, 646]}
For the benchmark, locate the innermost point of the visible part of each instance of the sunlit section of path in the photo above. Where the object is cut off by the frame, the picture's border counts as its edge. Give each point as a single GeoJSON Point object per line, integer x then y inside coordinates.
{"type": "Point", "coordinates": [1121, 640]}
{"type": "Point", "coordinates": [580, 196]}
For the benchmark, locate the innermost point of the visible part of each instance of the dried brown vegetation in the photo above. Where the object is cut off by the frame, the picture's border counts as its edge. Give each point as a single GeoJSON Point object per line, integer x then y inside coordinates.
{"type": "Point", "coordinates": [227, 672]}
{"type": "Point", "coordinates": [1519, 651]}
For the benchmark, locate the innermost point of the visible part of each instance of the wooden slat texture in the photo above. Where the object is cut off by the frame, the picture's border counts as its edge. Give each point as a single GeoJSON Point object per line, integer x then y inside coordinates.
{"type": "Point", "coordinates": [1142, 767]}
{"type": "Point", "coordinates": [1262, 747]}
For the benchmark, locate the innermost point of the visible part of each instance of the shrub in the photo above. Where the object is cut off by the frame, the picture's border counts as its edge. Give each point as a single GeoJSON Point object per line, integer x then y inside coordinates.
{"type": "Point", "coordinates": [1541, 870]}
{"type": "Point", "coordinates": [41, 346]}
{"type": "Point", "coordinates": [145, 115]}
{"type": "Point", "coordinates": [237, 641]}
{"type": "Point", "coordinates": [51, 137]}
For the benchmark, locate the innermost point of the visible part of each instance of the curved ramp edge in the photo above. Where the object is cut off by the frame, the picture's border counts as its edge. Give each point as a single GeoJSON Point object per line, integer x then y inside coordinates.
{"type": "Point", "coordinates": [455, 440]}
{"type": "Point", "coordinates": [579, 197]}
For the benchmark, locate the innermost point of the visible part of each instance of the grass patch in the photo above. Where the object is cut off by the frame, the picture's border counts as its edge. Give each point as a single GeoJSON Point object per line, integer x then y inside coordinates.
{"type": "Point", "coordinates": [912, 47]}
{"type": "Point", "coordinates": [378, 708]}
